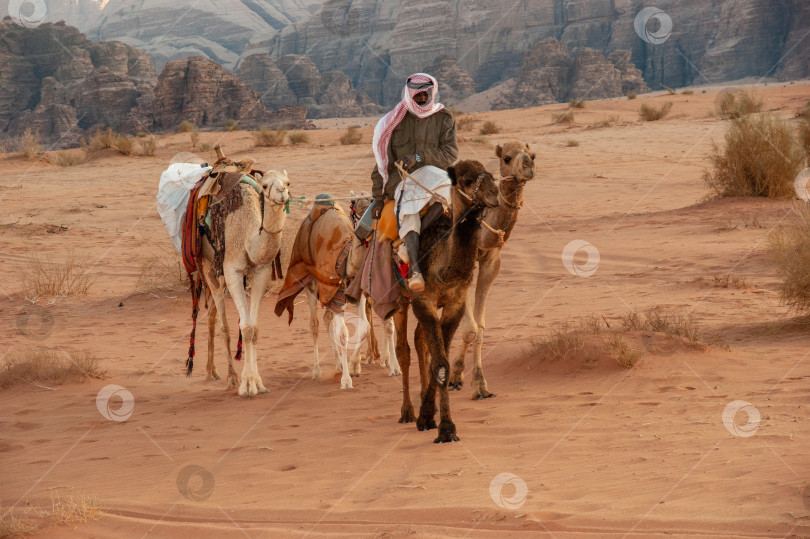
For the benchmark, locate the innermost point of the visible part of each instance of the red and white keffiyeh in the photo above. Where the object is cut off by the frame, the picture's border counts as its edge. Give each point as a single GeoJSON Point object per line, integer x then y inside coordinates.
{"type": "Point", "coordinates": [386, 125]}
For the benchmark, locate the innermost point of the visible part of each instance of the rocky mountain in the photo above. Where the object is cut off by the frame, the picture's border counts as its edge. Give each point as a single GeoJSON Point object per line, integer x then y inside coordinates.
{"type": "Point", "coordinates": [216, 29]}
{"type": "Point", "coordinates": [60, 83]}
{"type": "Point", "coordinates": [378, 43]}
{"type": "Point", "coordinates": [295, 80]}
{"type": "Point", "coordinates": [201, 91]}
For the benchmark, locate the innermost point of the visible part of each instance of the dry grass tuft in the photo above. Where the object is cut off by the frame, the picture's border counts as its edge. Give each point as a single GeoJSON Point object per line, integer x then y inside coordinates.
{"type": "Point", "coordinates": [185, 127]}
{"type": "Point", "coordinates": [761, 158]}
{"type": "Point", "coordinates": [688, 92]}
{"type": "Point", "coordinates": [13, 526]}
{"type": "Point", "coordinates": [125, 144]}
{"type": "Point", "coordinates": [669, 323]}
{"type": "Point", "coordinates": [608, 121]}
{"type": "Point", "coordinates": [631, 95]}
{"type": "Point", "coordinates": [43, 366]}
{"type": "Point", "coordinates": [194, 138]}
{"type": "Point", "coordinates": [566, 117]}
{"type": "Point", "coordinates": [46, 277]}
{"type": "Point", "coordinates": [466, 123]}
{"type": "Point", "coordinates": [790, 250]}
{"type": "Point", "coordinates": [74, 509]}
{"type": "Point", "coordinates": [489, 128]}
{"type": "Point", "coordinates": [161, 272]}
{"type": "Point", "coordinates": [298, 137]}
{"type": "Point", "coordinates": [27, 144]}
{"type": "Point", "coordinates": [577, 103]}
{"type": "Point", "coordinates": [650, 113]}
{"type": "Point", "coordinates": [101, 140]}
{"type": "Point", "coordinates": [148, 145]}
{"type": "Point", "coordinates": [804, 129]}
{"type": "Point", "coordinates": [731, 281]}
{"type": "Point", "coordinates": [68, 159]}
{"type": "Point", "coordinates": [735, 105]}
{"type": "Point", "coordinates": [265, 137]}
{"type": "Point", "coordinates": [622, 352]}
{"type": "Point", "coordinates": [351, 136]}
{"type": "Point", "coordinates": [231, 125]}
{"type": "Point", "coordinates": [571, 143]}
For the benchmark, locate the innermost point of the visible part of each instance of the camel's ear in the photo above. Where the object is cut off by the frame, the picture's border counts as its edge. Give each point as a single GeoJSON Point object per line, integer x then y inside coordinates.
{"type": "Point", "coordinates": [533, 155]}
{"type": "Point", "coordinates": [498, 150]}
{"type": "Point", "coordinates": [351, 193]}
{"type": "Point", "coordinates": [451, 171]}
{"type": "Point", "coordinates": [527, 146]}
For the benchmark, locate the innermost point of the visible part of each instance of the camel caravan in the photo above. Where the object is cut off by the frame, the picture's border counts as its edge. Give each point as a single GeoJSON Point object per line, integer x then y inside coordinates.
{"type": "Point", "coordinates": [413, 243]}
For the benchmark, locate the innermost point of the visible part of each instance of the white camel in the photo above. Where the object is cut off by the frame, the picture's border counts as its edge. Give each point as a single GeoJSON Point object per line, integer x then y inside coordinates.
{"type": "Point", "coordinates": [252, 242]}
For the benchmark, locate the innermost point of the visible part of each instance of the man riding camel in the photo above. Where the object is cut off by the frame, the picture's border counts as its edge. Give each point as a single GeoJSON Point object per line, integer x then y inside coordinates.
{"type": "Point", "coordinates": [418, 132]}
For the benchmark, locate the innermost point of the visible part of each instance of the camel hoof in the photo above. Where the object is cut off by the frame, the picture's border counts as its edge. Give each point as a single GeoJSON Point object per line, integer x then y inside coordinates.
{"type": "Point", "coordinates": [447, 433]}
{"type": "Point", "coordinates": [316, 373]}
{"type": "Point", "coordinates": [425, 423]}
{"type": "Point", "coordinates": [483, 395]}
{"type": "Point", "coordinates": [395, 372]}
{"type": "Point", "coordinates": [233, 383]}
{"type": "Point", "coordinates": [407, 416]}
{"type": "Point", "coordinates": [213, 376]}
{"type": "Point", "coordinates": [346, 383]}
{"type": "Point", "coordinates": [456, 387]}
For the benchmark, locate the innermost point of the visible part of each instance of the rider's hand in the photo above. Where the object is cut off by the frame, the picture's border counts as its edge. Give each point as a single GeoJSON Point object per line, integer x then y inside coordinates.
{"type": "Point", "coordinates": [408, 162]}
{"type": "Point", "coordinates": [378, 207]}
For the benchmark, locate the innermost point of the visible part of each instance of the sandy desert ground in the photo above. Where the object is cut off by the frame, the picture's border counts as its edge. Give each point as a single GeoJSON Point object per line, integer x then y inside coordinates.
{"type": "Point", "coordinates": [600, 451]}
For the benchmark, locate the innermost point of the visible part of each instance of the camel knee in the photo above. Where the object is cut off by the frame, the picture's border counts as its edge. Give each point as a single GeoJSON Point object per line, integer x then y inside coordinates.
{"type": "Point", "coordinates": [250, 334]}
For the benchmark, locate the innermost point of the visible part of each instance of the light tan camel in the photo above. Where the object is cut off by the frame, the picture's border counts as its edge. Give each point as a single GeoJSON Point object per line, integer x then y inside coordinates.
{"type": "Point", "coordinates": [517, 168]}
{"type": "Point", "coordinates": [252, 241]}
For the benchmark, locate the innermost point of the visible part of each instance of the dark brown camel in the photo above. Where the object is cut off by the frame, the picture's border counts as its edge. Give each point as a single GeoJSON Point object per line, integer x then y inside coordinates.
{"type": "Point", "coordinates": [517, 168]}
{"type": "Point", "coordinates": [448, 252]}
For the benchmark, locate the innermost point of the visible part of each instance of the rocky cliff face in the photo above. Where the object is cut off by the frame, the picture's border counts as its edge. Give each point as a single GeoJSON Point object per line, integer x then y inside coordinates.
{"type": "Point", "coordinates": [378, 43]}
{"type": "Point", "coordinates": [295, 80]}
{"type": "Point", "coordinates": [57, 81]}
{"type": "Point", "coordinates": [202, 92]}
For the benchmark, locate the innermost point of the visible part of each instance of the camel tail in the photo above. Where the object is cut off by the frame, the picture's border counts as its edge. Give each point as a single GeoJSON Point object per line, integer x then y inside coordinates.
{"type": "Point", "coordinates": [196, 289]}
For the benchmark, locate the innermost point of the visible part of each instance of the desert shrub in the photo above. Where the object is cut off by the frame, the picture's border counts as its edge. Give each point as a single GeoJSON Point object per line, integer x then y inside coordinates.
{"type": "Point", "coordinates": [269, 138]}
{"type": "Point", "coordinates": [298, 137]}
{"type": "Point", "coordinates": [651, 113]}
{"type": "Point", "coordinates": [790, 251]}
{"type": "Point", "coordinates": [185, 127]}
{"type": "Point", "coordinates": [760, 158]}
{"type": "Point", "coordinates": [101, 140]}
{"type": "Point", "coordinates": [351, 136]}
{"type": "Point", "coordinates": [490, 128]}
{"type": "Point", "coordinates": [148, 145]}
{"type": "Point", "coordinates": [621, 351]}
{"type": "Point", "coordinates": [27, 144]}
{"type": "Point", "coordinates": [466, 123]}
{"type": "Point", "coordinates": [125, 144]}
{"type": "Point", "coordinates": [142, 134]}
{"type": "Point", "coordinates": [231, 125]}
{"type": "Point", "coordinates": [670, 323]}
{"type": "Point", "coordinates": [206, 147]}
{"type": "Point", "coordinates": [804, 129]}
{"type": "Point", "coordinates": [608, 121]}
{"type": "Point", "coordinates": [577, 103]}
{"type": "Point", "coordinates": [67, 159]}
{"type": "Point", "coordinates": [46, 366]}
{"type": "Point", "coordinates": [566, 117]}
{"type": "Point", "coordinates": [735, 105]}
{"type": "Point", "coordinates": [46, 277]}
{"type": "Point", "coordinates": [669, 90]}
{"type": "Point", "coordinates": [631, 95]}
{"type": "Point", "coordinates": [688, 92]}
{"type": "Point", "coordinates": [571, 143]}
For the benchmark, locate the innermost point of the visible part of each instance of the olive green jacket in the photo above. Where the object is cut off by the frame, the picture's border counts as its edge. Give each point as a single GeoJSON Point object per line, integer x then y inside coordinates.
{"type": "Point", "coordinates": [433, 138]}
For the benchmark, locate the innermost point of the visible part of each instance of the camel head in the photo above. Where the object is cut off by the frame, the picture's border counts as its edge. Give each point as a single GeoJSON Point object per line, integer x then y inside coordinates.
{"type": "Point", "coordinates": [516, 160]}
{"type": "Point", "coordinates": [474, 183]}
{"type": "Point", "coordinates": [276, 187]}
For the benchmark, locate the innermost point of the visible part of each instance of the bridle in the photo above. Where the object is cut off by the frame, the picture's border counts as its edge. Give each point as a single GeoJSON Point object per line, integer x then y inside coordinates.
{"type": "Point", "coordinates": [274, 203]}
{"type": "Point", "coordinates": [473, 199]}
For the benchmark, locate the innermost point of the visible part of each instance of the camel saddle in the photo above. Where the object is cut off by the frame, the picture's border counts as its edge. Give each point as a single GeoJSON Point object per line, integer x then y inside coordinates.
{"type": "Point", "coordinates": [320, 251]}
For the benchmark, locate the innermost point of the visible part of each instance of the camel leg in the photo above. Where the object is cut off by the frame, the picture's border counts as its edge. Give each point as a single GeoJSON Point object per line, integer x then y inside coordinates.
{"type": "Point", "coordinates": [488, 270]}
{"type": "Point", "coordinates": [423, 354]}
{"type": "Point", "coordinates": [373, 351]}
{"type": "Point", "coordinates": [210, 367]}
{"type": "Point", "coordinates": [259, 284]}
{"type": "Point", "coordinates": [312, 297]}
{"type": "Point", "coordinates": [389, 336]}
{"type": "Point", "coordinates": [328, 317]}
{"type": "Point", "coordinates": [468, 335]}
{"type": "Point", "coordinates": [217, 287]}
{"type": "Point", "coordinates": [403, 355]}
{"type": "Point", "coordinates": [360, 336]}
{"type": "Point", "coordinates": [339, 335]}
{"type": "Point", "coordinates": [236, 287]}
{"type": "Point", "coordinates": [439, 371]}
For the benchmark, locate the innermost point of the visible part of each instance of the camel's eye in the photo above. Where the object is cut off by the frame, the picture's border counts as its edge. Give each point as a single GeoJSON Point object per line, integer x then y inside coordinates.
{"type": "Point", "coordinates": [507, 159]}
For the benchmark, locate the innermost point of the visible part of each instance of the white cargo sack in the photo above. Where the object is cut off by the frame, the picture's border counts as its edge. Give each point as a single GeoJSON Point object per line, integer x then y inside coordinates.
{"type": "Point", "coordinates": [175, 187]}
{"type": "Point", "coordinates": [411, 198]}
